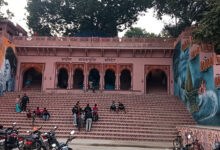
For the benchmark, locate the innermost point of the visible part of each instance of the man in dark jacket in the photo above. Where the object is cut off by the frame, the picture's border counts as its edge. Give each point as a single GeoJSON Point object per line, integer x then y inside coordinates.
{"type": "Point", "coordinates": [88, 118]}
{"type": "Point", "coordinates": [75, 111]}
{"type": "Point", "coordinates": [24, 101]}
{"type": "Point", "coordinates": [87, 109]}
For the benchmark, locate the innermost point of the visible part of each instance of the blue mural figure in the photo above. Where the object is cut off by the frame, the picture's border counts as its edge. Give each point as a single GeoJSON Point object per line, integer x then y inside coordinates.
{"type": "Point", "coordinates": [207, 101]}
{"type": "Point", "coordinates": [8, 73]}
{"type": "Point", "coordinates": [10, 69]}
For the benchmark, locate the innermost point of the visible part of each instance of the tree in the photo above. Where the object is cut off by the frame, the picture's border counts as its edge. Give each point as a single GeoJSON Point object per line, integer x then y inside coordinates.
{"type": "Point", "coordinates": [208, 30]}
{"type": "Point", "coordinates": [185, 13]}
{"type": "Point", "coordinates": [139, 32]}
{"type": "Point", "coordinates": [87, 17]}
{"type": "Point", "coordinates": [2, 15]}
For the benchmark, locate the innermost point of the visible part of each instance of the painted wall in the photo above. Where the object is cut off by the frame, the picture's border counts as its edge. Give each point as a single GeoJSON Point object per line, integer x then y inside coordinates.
{"type": "Point", "coordinates": [205, 107]}
{"type": "Point", "coordinates": [8, 66]}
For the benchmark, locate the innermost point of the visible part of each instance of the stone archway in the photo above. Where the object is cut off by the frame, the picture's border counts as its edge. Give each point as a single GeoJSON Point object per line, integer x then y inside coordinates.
{"type": "Point", "coordinates": [156, 82]}
{"type": "Point", "coordinates": [32, 79]}
{"type": "Point", "coordinates": [33, 69]}
{"type": "Point", "coordinates": [125, 80]}
{"type": "Point", "coordinates": [157, 79]}
{"type": "Point", "coordinates": [109, 79]}
{"type": "Point", "coordinates": [94, 78]}
{"type": "Point", "coordinates": [63, 78]}
{"type": "Point", "coordinates": [78, 79]}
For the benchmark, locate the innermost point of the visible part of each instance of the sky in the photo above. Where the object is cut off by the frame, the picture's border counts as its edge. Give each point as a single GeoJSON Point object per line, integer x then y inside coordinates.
{"type": "Point", "coordinates": [147, 22]}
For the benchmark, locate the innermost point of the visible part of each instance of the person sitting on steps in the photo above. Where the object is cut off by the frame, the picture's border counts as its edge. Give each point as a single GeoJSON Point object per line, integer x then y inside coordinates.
{"type": "Point", "coordinates": [29, 114]}
{"type": "Point", "coordinates": [113, 106]}
{"type": "Point", "coordinates": [38, 112]}
{"type": "Point", "coordinates": [45, 114]}
{"type": "Point", "coordinates": [121, 107]}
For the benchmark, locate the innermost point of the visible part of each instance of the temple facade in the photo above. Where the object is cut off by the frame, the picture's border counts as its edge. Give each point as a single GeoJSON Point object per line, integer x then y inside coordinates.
{"type": "Point", "coordinates": [127, 65]}
{"type": "Point", "coordinates": [70, 64]}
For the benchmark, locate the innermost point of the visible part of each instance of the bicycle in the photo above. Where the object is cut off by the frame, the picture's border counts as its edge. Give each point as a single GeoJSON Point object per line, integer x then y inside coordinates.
{"type": "Point", "coordinates": [177, 142]}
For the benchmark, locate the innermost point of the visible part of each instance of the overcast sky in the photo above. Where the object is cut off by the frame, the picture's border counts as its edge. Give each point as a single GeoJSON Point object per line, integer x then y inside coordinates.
{"type": "Point", "coordinates": [148, 22]}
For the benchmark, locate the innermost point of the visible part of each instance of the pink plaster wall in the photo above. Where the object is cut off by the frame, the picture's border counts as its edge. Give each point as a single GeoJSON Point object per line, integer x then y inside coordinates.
{"type": "Point", "coordinates": [138, 69]}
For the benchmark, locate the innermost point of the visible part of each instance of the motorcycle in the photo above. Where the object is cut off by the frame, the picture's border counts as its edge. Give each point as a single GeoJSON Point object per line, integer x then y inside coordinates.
{"type": "Point", "coordinates": [49, 138]}
{"type": "Point", "coordinates": [9, 138]}
{"type": "Point", "coordinates": [33, 141]}
{"type": "Point", "coordinates": [64, 146]}
{"type": "Point", "coordinates": [2, 137]}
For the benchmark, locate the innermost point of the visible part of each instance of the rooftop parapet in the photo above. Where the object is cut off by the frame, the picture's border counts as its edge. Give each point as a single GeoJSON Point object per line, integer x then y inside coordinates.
{"type": "Point", "coordinates": [96, 42]}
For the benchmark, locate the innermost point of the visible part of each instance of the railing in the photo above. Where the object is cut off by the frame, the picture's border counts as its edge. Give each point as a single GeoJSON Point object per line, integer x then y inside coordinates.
{"type": "Point", "coordinates": [206, 135]}
{"type": "Point", "coordinates": [206, 64]}
{"type": "Point", "coordinates": [94, 42]}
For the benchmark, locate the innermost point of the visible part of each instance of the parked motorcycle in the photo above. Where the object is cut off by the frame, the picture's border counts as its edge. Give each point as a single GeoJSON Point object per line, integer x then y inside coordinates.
{"type": "Point", "coordinates": [34, 141]}
{"type": "Point", "coordinates": [49, 139]}
{"type": "Point", "coordinates": [9, 138]}
{"type": "Point", "coordinates": [64, 146]}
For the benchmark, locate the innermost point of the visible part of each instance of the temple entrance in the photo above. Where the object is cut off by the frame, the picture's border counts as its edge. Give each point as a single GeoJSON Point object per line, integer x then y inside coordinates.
{"type": "Point", "coordinates": [109, 80]}
{"type": "Point", "coordinates": [63, 79]}
{"type": "Point", "coordinates": [94, 78]}
{"type": "Point", "coordinates": [78, 79]}
{"type": "Point", "coordinates": [125, 80]}
{"type": "Point", "coordinates": [32, 80]}
{"type": "Point", "coordinates": [156, 81]}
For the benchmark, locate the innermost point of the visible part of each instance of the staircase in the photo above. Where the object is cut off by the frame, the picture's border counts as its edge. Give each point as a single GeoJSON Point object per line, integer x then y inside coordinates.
{"type": "Point", "coordinates": [150, 118]}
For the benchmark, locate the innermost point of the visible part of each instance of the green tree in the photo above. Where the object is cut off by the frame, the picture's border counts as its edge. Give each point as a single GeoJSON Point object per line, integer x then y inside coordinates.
{"type": "Point", "coordinates": [2, 15]}
{"type": "Point", "coordinates": [139, 32]}
{"type": "Point", "coordinates": [69, 17]}
{"type": "Point", "coordinates": [208, 30]}
{"type": "Point", "coordinates": [184, 12]}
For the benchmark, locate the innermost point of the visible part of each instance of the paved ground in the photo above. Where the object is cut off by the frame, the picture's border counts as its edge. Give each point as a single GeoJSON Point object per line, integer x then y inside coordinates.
{"type": "Point", "coordinates": [84, 144]}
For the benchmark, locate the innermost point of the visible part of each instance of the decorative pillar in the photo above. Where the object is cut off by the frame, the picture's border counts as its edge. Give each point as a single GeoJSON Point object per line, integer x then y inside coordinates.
{"type": "Point", "coordinates": [131, 80]}
{"type": "Point", "coordinates": [56, 78]}
{"type": "Point", "coordinates": [101, 82]}
{"type": "Point", "coordinates": [119, 81]}
{"type": "Point", "coordinates": [69, 79]}
{"type": "Point", "coordinates": [85, 81]}
{"type": "Point", "coordinates": [116, 81]}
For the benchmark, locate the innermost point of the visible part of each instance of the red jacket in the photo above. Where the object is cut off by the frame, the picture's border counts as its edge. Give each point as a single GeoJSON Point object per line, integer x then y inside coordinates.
{"type": "Point", "coordinates": [95, 110]}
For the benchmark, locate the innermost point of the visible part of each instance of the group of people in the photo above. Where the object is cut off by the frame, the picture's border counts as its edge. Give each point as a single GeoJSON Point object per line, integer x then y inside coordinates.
{"type": "Point", "coordinates": [84, 117]}
{"type": "Point", "coordinates": [21, 103]}
{"type": "Point", "coordinates": [39, 113]}
{"type": "Point", "coordinates": [121, 107]}
{"type": "Point", "coordinates": [21, 106]}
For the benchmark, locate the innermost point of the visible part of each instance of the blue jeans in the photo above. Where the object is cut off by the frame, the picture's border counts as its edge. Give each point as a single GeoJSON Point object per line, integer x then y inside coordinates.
{"type": "Point", "coordinates": [74, 119]}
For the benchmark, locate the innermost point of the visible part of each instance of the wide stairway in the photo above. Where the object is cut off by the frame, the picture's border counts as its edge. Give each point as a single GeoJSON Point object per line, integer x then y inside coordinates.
{"type": "Point", "coordinates": [150, 118]}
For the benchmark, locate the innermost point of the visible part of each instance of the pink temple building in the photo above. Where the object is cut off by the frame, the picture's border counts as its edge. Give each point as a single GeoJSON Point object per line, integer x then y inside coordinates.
{"type": "Point", "coordinates": [68, 64]}
{"type": "Point", "coordinates": [116, 65]}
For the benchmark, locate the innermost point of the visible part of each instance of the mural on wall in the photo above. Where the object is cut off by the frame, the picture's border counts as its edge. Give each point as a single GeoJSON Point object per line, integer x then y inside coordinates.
{"type": "Point", "coordinates": [196, 88]}
{"type": "Point", "coordinates": [8, 67]}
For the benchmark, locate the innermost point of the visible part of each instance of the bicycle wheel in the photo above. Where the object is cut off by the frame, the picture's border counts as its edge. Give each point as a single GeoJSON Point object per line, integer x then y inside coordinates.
{"type": "Point", "coordinates": [176, 143]}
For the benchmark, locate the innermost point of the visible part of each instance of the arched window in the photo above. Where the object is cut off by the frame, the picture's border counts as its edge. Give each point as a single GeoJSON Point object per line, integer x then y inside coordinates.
{"type": "Point", "coordinates": [109, 79]}
{"type": "Point", "coordinates": [125, 80]}
{"type": "Point", "coordinates": [32, 79]}
{"type": "Point", "coordinates": [63, 78]}
{"type": "Point", "coordinates": [156, 81]}
{"type": "Point", "coordinates": [94, 78]}
{"type": "Point", "coordinates": [78, 79]}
